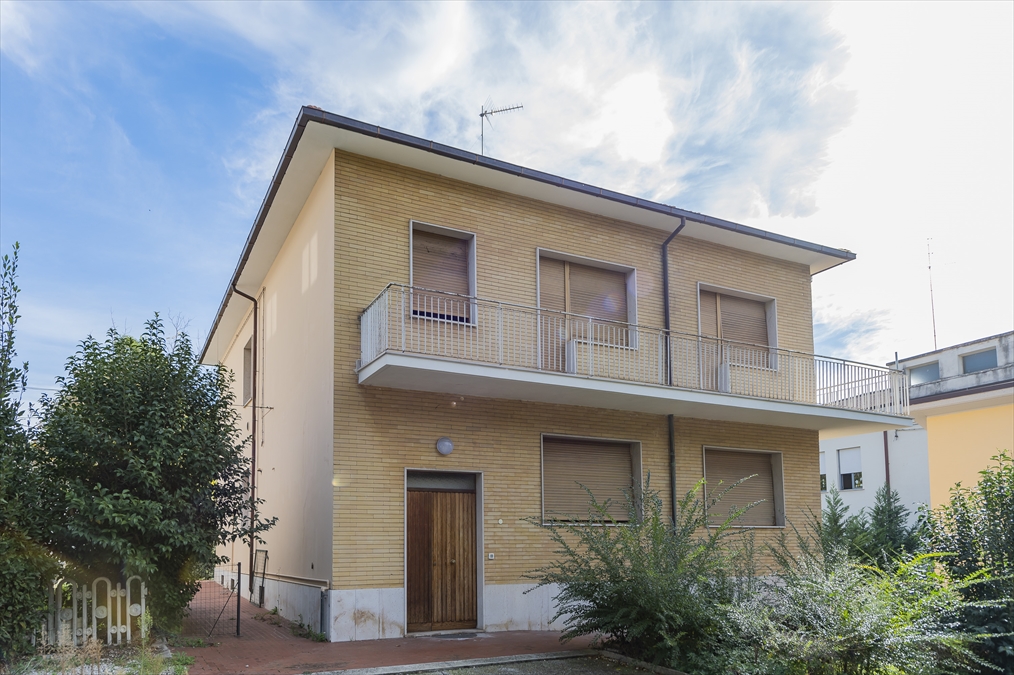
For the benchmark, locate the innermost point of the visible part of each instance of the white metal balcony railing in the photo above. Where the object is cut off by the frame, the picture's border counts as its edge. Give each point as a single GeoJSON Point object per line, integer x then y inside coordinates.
{"type": "Point", "coordinates": [409, 320]}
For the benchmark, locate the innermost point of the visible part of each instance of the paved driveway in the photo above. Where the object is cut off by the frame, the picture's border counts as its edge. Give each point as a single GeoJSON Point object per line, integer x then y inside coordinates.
{"type": "Point", "coordinates": [589, 665]}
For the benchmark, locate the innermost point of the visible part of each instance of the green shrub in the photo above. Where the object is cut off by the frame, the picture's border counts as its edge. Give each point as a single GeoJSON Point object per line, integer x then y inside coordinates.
{"type": "Point", "coordinates": [143, 465]}
{"type": "Point", "coordinates": [830, 615]}
{"type": "Point", "coordinates": [660, 590]}
{"type": "Point", "coordinates": [25, 566]}
{"type": "Point", "coordinates": [978, 527]}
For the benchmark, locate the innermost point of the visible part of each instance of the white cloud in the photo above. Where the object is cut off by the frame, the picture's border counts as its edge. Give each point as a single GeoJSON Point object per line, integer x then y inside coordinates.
{"type": "Point", "coordinates": [631, 117]}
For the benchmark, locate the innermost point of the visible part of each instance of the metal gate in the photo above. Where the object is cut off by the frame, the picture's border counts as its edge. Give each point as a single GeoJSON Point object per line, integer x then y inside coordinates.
{"type": "Point", "coordinates": [79, 612]}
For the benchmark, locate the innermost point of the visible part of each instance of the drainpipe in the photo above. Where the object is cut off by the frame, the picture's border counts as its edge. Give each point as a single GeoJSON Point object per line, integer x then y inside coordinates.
{"type": "Point", "coordinates": [253, 435]}
{"type": "Point", "coordinates": [668, 369]}
{"type": "Point", "coordinates": [887, 463]}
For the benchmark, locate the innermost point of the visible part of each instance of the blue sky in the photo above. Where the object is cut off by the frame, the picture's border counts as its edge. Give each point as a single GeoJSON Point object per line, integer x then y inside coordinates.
{"type": "Point", "coordinates": [137, 139]}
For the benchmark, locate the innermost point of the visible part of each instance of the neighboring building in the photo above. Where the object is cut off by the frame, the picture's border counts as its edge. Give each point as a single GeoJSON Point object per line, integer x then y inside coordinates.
{"type": "Point", "coordinates": [962, 398]}
{"type": "Point", "coordinates": [445, 345]}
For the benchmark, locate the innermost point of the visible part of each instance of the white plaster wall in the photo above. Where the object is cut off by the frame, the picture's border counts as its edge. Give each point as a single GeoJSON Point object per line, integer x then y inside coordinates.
{"type": "Point", "coordinates": [909, 462]}
{"type": "Point", "coordinates": [375, 613]}
{"type": "Point", "coordinates": [508, 607]}
{"type": "Point", "coordinates": [295, 402]}
{"type": "Point", "coordinates": [366, 614]}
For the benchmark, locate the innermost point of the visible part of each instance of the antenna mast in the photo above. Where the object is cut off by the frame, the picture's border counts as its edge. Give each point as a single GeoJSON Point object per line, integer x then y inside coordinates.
{"type": "Point", "coordinates": [488, 110]}
{"type": "Point", "coordinates": [933, 311]}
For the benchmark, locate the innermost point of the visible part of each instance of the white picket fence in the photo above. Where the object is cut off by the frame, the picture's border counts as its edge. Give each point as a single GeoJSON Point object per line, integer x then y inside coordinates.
{"type": "Point", "coordinates": [94, 609]}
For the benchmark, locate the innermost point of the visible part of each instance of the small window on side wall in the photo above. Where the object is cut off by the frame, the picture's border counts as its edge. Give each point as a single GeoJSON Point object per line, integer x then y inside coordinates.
{"type": "Point", "coordinates": [762, 487]}
{"type": "Point", "coordinates": [973, 363]}
{"type": "Point", "coordinates": [923, 374]}
{"type": "Point", "coordinates": [248, 371]}
{"type": "Point", "coordinates": [606, 468]}
{"type": "Point", "coordinates": [850, 468]}
{"type": "Point", "coordinates": [443, 273]}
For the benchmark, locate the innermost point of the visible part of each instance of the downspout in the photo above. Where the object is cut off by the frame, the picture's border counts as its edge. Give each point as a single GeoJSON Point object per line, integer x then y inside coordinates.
{"type": "Point", "coordinates": [668, 369]}
{"type": "Point", "coordinates": [887, 463]}
{"type": "Point", "coordinates": [253, 435]}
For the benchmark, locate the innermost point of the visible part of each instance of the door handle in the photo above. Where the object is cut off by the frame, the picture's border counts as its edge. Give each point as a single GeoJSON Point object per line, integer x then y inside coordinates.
{"type": "Point", "coordinates": [452, 561]}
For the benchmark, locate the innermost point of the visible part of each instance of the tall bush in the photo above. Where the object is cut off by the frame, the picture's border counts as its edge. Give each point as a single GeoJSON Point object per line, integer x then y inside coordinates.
{"type": "Point", "coordinates": [830, 615]}
{"type": "Point", "coordinates": [659, 589]}
{"type": "Point", "coordinates": [25, 566]}
{"type": "Point", "coordinates": [140, 453]}
{"type": "Point", "coordinates": [978, 527]}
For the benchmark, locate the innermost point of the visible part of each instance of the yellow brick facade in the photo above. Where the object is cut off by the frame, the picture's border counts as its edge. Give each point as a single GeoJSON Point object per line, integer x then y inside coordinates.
{"type": "Point", "coordinates": [378, 433]}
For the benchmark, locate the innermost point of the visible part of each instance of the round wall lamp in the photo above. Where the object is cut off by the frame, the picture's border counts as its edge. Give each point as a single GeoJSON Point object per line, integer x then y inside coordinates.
{"type": "Point", "coordinates": [445, 446]}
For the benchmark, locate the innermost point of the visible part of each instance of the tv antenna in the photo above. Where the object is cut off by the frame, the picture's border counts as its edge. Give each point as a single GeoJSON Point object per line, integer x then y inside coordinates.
{"type": "Point", "coordinates": [488, 110]}
{"type": "Point", "coordinates": [933, 311]}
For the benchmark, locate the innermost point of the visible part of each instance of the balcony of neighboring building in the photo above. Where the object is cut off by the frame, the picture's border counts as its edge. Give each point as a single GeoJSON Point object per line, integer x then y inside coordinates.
{"type": "Point", "coordinates": [422, 340]}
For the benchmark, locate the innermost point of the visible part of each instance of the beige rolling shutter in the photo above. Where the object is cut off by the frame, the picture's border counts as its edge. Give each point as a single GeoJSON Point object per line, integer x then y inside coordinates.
{"type": "Point", "coordinates": [709, 314]}
{"type": "Point", "coordinates": [729, 466]}
{"type": "Point", "coordinates": [551, 285]}
{"type": "Point", "coordinates": [598, 293]}
{"type": "Point", "coordinates": [744, 320]}
{"type": "Point", "coordinates": [439, 263]}
{"type": "Point", "coordinates": [604, 468]}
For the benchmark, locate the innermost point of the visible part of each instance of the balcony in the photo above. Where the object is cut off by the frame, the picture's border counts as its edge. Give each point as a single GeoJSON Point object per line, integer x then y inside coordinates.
{"type": "Point", "coordinates": [424, 340]}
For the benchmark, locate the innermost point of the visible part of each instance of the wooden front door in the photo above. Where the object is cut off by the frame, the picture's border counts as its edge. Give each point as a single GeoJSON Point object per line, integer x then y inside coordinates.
{"type": "Point", "coordinates": [441, 560]}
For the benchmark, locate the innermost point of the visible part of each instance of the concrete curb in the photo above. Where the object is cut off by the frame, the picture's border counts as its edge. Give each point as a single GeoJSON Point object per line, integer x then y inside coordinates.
{"type": "Point", "coordinates": [465, 663]}
{"type": "Point", "coordinates": [650, 667]}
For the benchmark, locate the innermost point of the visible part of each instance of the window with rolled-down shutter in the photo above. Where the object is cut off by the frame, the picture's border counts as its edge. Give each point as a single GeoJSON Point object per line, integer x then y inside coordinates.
{"type": "Point", "coordinates": [722, 468]}
{"type": "Point", "coordinates": [441, 263]}
{"type": "Point", "coordinates": [605, 468]}
{"type": "Point", "coordinates": [741, 324]}
{"type": "Point", "coordinates": [733, 318]}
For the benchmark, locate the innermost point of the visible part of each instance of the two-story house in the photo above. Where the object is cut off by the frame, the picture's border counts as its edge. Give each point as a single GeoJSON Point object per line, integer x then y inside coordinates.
{"type": "Point", "coordinates": [435, 349]}
{"type": "Point", "coordinates": [962, 399]}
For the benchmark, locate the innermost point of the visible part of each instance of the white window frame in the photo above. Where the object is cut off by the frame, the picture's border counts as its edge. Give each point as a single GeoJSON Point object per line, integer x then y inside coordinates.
{"type": "Point", "coordinates": [837, 457]}
{"type": "Point", "coordinates": [777, 483]}
{"type": "Point", "coordinates": [465, 235]}
{"type": "Point", "coordinates": [636, 469]}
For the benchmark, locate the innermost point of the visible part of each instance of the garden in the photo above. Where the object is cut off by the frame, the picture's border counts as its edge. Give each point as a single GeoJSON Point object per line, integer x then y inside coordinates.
{"type": "Point", "coordinates": [839, 594]}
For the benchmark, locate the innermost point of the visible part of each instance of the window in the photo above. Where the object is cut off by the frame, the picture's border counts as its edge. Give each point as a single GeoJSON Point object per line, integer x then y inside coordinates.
{"type": "Point", "coordinates": [973, 363]}
{"type": "Point", "coordinates": [823, 473]}
{"type": "Point", "coordinates": [850, 466]}
{"type": "Point", "coordinates": [723, 467]}
{"type": "Point", "coordinates": [923, 374]}
{"type": "Point", "coordinates": [597, 292]}
{"type": "Point", "coordinates": [732, 318]}
{"type": "Point", "coordinates": [443, 260]}
{"type": "Point", "coordinates": [248, 371]}
{"type": "Point", "coordinates": [607, 468]}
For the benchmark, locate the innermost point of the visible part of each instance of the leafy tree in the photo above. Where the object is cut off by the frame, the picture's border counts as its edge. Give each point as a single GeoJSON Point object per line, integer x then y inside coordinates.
{"type": "Point", "coordinates": [140, 451]}
{"type": "Point", "coordinates": [25, 567]}
{"type": "Point", "coordinates": [977, 526]}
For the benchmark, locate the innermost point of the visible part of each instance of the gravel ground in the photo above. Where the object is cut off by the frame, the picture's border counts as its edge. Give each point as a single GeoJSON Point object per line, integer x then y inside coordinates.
{"type": "Point", "coordinates": [589, 665]}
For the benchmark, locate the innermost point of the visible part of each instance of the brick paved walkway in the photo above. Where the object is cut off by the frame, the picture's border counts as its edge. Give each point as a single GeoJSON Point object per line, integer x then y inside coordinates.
{"type": "Point", "coordinates": [267, 645]}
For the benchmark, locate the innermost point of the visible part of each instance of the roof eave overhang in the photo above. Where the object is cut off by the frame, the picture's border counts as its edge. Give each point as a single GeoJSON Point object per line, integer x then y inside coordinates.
{"type": "Point", "coordinates": [316, 133]}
